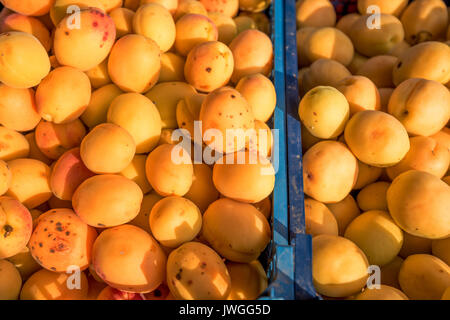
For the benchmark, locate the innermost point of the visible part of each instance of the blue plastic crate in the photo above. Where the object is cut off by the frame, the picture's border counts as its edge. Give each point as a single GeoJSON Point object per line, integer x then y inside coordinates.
{"type": "Point", "coordinates": [290, 252]}
{"type": "Point", "coordinates": [301, 242]}
{"type": "Point", "coordinates": [278, 258]}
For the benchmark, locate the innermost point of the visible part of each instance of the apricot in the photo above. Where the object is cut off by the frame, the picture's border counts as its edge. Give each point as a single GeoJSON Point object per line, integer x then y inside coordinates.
{"type": "Point", "coordinates": [345, 22]}
{"type": "Point", "coordinates": [244, 176]}
{"type": "Point", "coordinates": [61, 240]}
{"type": "Point", "coordinates": [195, 271]}
{"type": "Point", "coordinates": [98, 75]}
{"type": "Point", "coordinates": [441, 249]}
{"type": "Point", "coordinates": [172, 67]}
{"type": "Point", "coordinates": [261, 20]}
{"type": "Point", "coordinates": [238, 231]}
{"type": "Point", "coordinates": [425, 20]}
{"type": "Point", "coordinates": [188, 111]}
{"type": "Point", "coordinates": [302, 36]}
{"type": "Point", "coordinates": [209, 66]}
{"type": "Point", "coordinates": [13, 144]}
{"type": "Point", "coordinates": [25, 263]}
{"type": "Point", "coordinates": [356, 63]}
{"type": "Point", "coordinates": [107, 200]}
{"type": "Point", "coordinates": [379, 70]}
{"type": "Point", "coordinates": [142, 261]}
{"type": "Point", "coordinates": [30, 182]}
{"type": "Point", "coordinates": [18, 22]}
{"type": "Point", "coordinates": [315, 13]}
{"type": "Point", "coordinates": [189, 6]}
{"type": "Point", "coordinates": [373, 196]}
{"type": "Point", "coordinates": [123, 20]}
{"type": "Point", "coordinates": [383, 293]}
{"type": "Point", "coordinates": [169, 170]}
{"type": "Point", "coordinates": [202, 191]}
{"type": "Point", "coordinates": [59, 10]}
{"type": "Point", "coordinates": [18, 101]}
{"type": "Point", "coordinates": [35, 152]}
{"type": "Point", "coordinates": [254, 5]}
{"type": "Point", "coordinates": [344, 211]}
{"type": "Point", "coordinates": [443, 138]}
{"type": "Point", "coordinates": [248, 280]}
{"type": "Point", "coordinates": [324, 119]}
{"type": "Point", "coordinates": [253, 53]}
{"type": "Point", "coordinates": [414, 192]}
{"type": "Point", "coordinates": [11, 281]}
{"type": "Point", "coordinates": [110, 5]}
{"type": "Point", "coordinates": [324, 72]}
{"type": "Point", "coordinates": [68, 173]}
{"type": "Point", "coordinates": [54, 139]}
{"type": "Point", "coordinates": [85, 47]}
{"type": "Point", "coordinates": [422, 106]}
{"type": "Point", "coordinates": [226, 27]}
{"type": "Point", "coordinates": [264, 206]}
{"type": "Point", "coordinates": [63, 95]}
{"type": "Point", "coordinates": [170, 5]}
{"type": "Point", "coordinates": [414, 245]}
{"type": "Point", "coordinates": [329, 43]}
{"type": "Point", "coordinates": [361, 93]}
{"type": "Point", "coordinates": [389, 272]}
{"type": "Point", "coordinates": [166, 96]}
{"type": "Point", "coordinates": [263, 142]}
{"type": "Point", "coordinates": [226, 111]}
{"type": "Point", "coordinates": [244, 23]}
{"type": "Point", "coordinates": [376, 138]}
{"type": "Point", "coordinates": [175, 220]}
{"type": "Point", "coordinates": [110, 293]}
{"type": "Point", "coordinates": [15, 226]}
{"type": "Point", "coordinates": [29, 7]}
{"type": "Point", "coordinates": [424, 277]}
{"type": "Point", "coordinates": [377, 235]}
{"type": "Point", "coordinates": [319, 219]}
{"type": "Point", "coordinates": [97, 108]}
{"type": "Point", "coordinates": [426, 155]}
{"type": "Point", "coordinates": [192, 30]}
{"type": "Point", "coordinates": [260, 93]}
{"type": "Point", "coordinates": [48, 285]}
{"type": "Point", "coordinates": [227, 7]}
{"type": "Point", "coordinates": [394, 7]}
{"type": "Point", "coordinates": [136, 172]}
{"type": "Point", "coordinates": [329, 171]}
{"type": "Point", "coordinates": [399, 49]}
{"type": "Point", "coordinates": [142, 219]}
{"type": "Point", "coordinates": [108, 148]}
{"type": "Point", "coordinates": [339, 267]}
{"type": "Point", "coordinates": [155, 22]}
{"type": "Point", "coordinates": [139, 116]}
{"type": "Point", "coordinates": [429, 60]}
{"type": "Point", "coordinates": [25, 61]}
{"type": "Point", "coordinates": [134, 63]}
{"type": "Point", "coordinates": [376, 41]}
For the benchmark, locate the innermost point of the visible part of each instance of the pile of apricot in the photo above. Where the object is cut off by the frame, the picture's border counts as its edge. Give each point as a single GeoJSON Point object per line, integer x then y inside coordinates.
{"type": "Point", "coordinates": [93, 204]}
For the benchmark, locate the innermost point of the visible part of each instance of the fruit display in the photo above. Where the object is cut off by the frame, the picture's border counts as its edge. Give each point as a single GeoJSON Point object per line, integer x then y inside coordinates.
{"type": "Point", "coordinates": [101, 195]}
{"type": "Point", "coordinates": [375, 123]}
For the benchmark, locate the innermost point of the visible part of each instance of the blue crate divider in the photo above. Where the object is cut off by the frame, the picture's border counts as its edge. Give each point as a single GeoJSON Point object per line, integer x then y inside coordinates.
{"type": "Point", "coordinates": [303, 285]}
{"type": "Point", "coordinates": [279, 256]}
